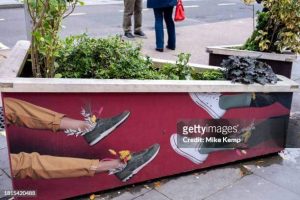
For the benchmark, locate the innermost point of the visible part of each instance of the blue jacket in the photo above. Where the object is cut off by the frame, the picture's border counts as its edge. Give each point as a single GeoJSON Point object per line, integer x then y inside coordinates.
{"type": "Point", "coordinates": [161, 3]}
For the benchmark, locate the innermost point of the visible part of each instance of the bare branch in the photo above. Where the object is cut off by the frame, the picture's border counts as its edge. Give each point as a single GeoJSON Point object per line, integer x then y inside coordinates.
{"type": "Point", "coordinates": [41, 17]}
{"type": "Point", "coordinates": [30, 11]}
{"type": "Point", "coordinates": [72, 9]}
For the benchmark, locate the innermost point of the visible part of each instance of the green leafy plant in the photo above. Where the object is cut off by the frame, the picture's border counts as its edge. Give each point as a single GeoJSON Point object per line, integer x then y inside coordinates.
{"type": "Point", "coordinates": [105, 58]}
{"type": "Point", "coordinates": [208, 75]}
{"type": "Point", "coordinates": [46, 18]}
{"type": "Point", "coordinates": [278, 27]}
{"type": "Point", "coordinates": [248, 70]}
{"type": "Point", "coordinates": [179, 71]}
{"type": "Point", "coordinates": [113, 58]}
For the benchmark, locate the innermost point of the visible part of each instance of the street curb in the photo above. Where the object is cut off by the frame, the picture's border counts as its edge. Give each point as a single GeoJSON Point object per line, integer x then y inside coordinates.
{"type": "Point", "coordinates": [12, 5]}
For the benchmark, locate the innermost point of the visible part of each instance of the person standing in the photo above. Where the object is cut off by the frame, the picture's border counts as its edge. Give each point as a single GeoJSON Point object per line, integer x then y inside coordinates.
{"type": "Point", "coordinates": [133, 7]}
{"type": "Point", "coordinates": [163, 10]}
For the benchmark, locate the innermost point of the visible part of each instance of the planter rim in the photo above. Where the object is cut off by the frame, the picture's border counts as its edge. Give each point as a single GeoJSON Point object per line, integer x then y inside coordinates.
{"type": "Point", "coordinates": [53, 85]}
{"type": "Point", "coordinates": [225, 50]}
{"type": "Point", "coordinates": [13, 65]}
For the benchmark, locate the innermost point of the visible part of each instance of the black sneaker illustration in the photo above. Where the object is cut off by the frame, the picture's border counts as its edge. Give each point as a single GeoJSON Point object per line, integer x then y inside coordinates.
{"type": "Point", "coordinates": [262, 100]}
{"type": "Point", "coordinates": [137, 162]}
{"type": "Point", "coordinates": [244, 135]}
{"type": "Point", "coordinates": [104, 127]}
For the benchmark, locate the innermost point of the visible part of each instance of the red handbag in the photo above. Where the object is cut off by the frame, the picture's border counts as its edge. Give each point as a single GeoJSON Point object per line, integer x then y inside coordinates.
{"type": "Point", "coordinates": [179, 12]}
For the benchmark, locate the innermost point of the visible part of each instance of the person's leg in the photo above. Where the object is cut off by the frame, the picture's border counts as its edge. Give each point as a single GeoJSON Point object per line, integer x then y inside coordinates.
{"type": "Point", "coordinates": [138, 8]}
{"type": "Point", "coordinates": [235, 101]}
{"type": "Point", "coordinates": [216, 104]}
{"type": "Point", "coordinates": [159, 28]}
{"type": "Point", "coordinates": [168, 13]}
{"type": "Point", "coordinates": [68, 123]}
{"type": "Point", "coordinates": [36, 166]}
{"type": "Point", "coordinates": [128, 12]}
{"type": "Point", "coordinates": [25, 114]}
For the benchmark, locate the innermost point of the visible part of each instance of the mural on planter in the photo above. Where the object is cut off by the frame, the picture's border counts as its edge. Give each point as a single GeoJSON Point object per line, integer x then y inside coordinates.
{"type": "Point", "coordinates": [33, 165]}
{"type": "Point", "coordinates": [59, 146]}
{"type": "Point", "coordinates": [216, 105]}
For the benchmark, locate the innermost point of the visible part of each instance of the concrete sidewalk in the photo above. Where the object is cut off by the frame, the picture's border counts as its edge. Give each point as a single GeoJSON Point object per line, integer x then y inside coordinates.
{"type": "Point", "coordinates": [263, 178]}
{"type": "Point", "coordinates": [11, 4]}
{"type": "Point", "coordinates": [19, 3]}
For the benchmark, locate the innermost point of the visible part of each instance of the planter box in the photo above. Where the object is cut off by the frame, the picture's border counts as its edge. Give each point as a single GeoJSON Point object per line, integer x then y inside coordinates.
{"type": "Point", "coordinates": [158, 110]}
{"type": "Point", "coordinates": [280, 63]}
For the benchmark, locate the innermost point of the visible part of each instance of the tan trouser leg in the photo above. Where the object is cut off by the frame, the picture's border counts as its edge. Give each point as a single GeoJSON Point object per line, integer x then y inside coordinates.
{"type": "Point", "coordinates": [138, 8]}
{"type": "Point", "coordinates": [25, 114]}
{"type": "Point", "coordinates": [36, 166]}
{"type": "Point", "coordinates": [128, 12]}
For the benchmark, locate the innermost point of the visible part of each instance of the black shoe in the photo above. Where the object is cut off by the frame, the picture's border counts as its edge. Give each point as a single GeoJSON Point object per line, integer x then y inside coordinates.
{"type": "Point", "coordinates": [160, 50]}
{"type": "Point", "coordinates": [140, 33]}
{"type": "Point", "coordinates": [262, 100]}
{"type": "Point", "coordinates": [104, 127]}
{"type": "Point", "coordinates": [243, 135]}
{"type": "Point", "coordinates": [137, 162]}
{"type": "Point", "coordinates": [170, 48]}
{"type": "Point", "coordinates": [129, 35]}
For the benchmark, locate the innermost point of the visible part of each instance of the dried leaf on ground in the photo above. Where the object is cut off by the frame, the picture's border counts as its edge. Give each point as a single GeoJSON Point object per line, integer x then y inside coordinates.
{"type": "Point", "coordinates": [245, 170]}
{"type": "Point", "coordinates": [147, 187]}
{"type": "Point", "coordinates": [157, 184]}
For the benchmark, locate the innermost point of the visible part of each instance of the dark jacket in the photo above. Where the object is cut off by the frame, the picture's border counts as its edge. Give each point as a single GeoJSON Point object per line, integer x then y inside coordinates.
{"type": "Point", "coordinates": [161, 3]}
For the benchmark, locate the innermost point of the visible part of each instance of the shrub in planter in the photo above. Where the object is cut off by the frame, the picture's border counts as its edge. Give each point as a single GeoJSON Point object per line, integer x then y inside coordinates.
{"type": "Point", "coordinates": [105, 58]}
{"type": "Point", "coordinates": [248, 70]}
{"type": "Point", "coordinates": [278, 27]}
{"type": "Point", "coordinates": [113, 58]}
{"type": "Point", "coordinates": [275, 41]}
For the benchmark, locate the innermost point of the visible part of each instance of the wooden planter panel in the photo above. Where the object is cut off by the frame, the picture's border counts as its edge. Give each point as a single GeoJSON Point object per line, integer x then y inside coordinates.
{"type": "Point", "coordinates": [280, 63]}
{"type": "Point", "coordinates": [154, 118]}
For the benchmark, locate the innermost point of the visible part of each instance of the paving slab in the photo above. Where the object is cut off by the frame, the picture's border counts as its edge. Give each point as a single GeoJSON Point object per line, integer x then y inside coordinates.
{"type": "Point", "coordinates": [199, 185]}
{"type": "Point", "coordinates": [194, 39]}
{"type": "Point", "coordinates": [293, 133]}
{"type": "Point", "coordinates": [126, 193]}
{"type": "Point", "coordinates": [3, 142]}
{"type": "Point", "coordinates": [132, 194]}
{"type": "Point", "coordinates": [284, 176]}
{"type": "Point", "coordinates": [4, 160]}
{"type": "Point", "coordinates": [253, 187]}
{"type": "Point", "coordinates": [151, 195]}
{"type": "Point", "coordinates": [5, 183]}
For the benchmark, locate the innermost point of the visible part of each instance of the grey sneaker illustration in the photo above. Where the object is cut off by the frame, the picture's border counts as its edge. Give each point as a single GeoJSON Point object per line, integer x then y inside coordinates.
{"type": "Point", "coordinates": [137, 162]}
{"type": "Point", "coordinates": [104, 127]}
